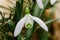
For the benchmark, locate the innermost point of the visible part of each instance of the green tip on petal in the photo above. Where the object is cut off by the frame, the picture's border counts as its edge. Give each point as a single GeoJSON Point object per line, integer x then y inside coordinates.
{"type": "Point", "coordinates": [28, 25]}
{"type": "Point", "coordinates": [27, 10]}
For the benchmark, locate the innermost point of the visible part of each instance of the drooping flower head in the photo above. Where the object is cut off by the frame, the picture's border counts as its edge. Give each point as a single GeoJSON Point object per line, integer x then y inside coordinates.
{"type": "Point", "coordinates": [28, 21]}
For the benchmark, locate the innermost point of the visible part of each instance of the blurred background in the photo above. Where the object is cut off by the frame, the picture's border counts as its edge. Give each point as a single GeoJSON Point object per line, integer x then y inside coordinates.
{"type": "Point", "coordinates": [11, 11]}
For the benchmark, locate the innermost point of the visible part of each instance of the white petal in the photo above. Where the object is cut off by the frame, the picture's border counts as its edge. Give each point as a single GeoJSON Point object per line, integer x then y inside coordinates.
{"type": "Point", "coordinates": [29, 21]}
{"type": "Point", "coordinates": [40, 22]}
{"type": "Point", "coordinates": [52, 1]}
{"type": "Point", "coordinates": [19, 26]}
{"type": "Point", "coordinates": [40, 4]}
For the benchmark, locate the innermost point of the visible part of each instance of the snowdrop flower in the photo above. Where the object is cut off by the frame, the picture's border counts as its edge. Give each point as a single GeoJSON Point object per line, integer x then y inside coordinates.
{"type": "Point", "coordinates": [52, 1]}
{"type": "Point", "coordinates": [40, 4]}
{"type": "Point", "coordinates": [28, 20]}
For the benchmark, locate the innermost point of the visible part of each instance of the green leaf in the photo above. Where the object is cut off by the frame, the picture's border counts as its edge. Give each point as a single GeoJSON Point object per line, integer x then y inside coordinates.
{"type": "Point", "coordinates": [52, 20]}
{"type": "Point", "coordinates": [17, 12]}
{"type": "Point", "coordinates": [35, 10]}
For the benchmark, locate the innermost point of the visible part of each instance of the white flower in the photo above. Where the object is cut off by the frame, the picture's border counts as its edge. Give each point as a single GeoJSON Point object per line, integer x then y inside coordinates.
{"type": "Point", "coordinates": [52, 1]}
{"type": "Point", "coordinates": [28, 20]}
{"type": "Point", "coordinates": [40, 4]}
